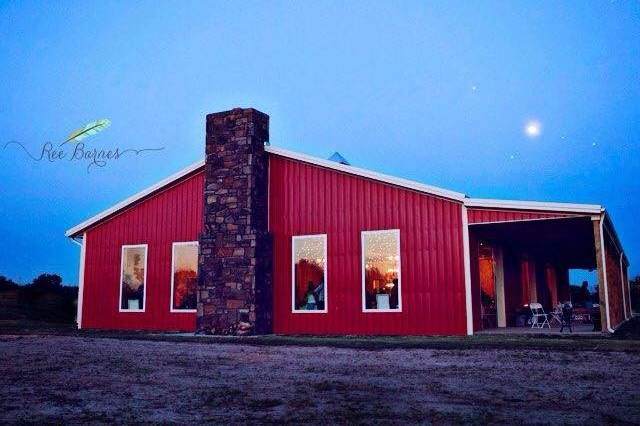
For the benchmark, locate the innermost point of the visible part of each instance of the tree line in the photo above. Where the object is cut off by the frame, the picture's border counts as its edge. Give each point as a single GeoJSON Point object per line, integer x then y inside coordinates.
{"type": "Point", "coordinates": [635, 293]}
{"type": "Point", "coordinates": [44, 299]}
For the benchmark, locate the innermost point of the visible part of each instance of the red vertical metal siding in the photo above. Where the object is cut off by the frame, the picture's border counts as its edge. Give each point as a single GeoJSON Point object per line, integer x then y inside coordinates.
{"type": "Point", "coordinates": [172, 215]}
{"type": "Point", "coordinates": [489, 215]}
{"type": "Point", "coordinates": [307, 199]}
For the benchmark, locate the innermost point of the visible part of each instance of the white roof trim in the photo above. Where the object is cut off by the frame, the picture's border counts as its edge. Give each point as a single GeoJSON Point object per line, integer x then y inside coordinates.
{"type": "Point", "coordinates": [534, 205]}
{"type": "Point", "coordinates": [121, 205]}
{"type": "Point", "coordinates": [405, 183]}
{"type": "Point", "coordinates": [417, 186]}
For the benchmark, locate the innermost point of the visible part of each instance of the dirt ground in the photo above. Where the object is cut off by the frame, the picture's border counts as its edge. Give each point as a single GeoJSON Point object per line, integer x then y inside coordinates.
{"type": "Point", "coordinates": [70, 379]}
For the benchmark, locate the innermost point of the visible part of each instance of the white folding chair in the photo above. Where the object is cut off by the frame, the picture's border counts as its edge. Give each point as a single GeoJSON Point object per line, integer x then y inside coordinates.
{"type": "Point", "coordinates": [539, 318]}
{"type": "Point", "coordinates": [556, 316]}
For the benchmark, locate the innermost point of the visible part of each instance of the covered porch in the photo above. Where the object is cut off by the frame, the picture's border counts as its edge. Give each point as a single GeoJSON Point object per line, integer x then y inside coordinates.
{"type": "Point", "coordinates": [578, 330]}
{"type": "Point", "coordinates": [517, 260]}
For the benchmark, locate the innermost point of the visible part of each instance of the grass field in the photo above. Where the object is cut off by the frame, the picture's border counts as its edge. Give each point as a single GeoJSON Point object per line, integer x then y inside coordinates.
{"type": "Point", "coordinates": [62, 376]}
{"type": "Point", "coordinates": [566, 342]}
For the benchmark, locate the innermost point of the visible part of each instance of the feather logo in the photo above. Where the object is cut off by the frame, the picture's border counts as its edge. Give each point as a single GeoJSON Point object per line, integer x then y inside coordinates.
{"type": "Point", "coordinates": [88, 130]}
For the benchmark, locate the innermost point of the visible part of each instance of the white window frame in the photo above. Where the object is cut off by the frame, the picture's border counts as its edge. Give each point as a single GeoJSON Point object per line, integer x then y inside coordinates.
{"type": "Point", "coordinates": [173, 260]}
{"type": "Point", "coordinates": [144, 291]}
{"type": "Point", "coordinates": [363, 234]}
{"type": "Point", "coordinates": [293, 275]}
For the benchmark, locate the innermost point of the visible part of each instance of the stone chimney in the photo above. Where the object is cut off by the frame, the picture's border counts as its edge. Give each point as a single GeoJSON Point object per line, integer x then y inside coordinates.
{"type": "Point", "coordinates": [234, 283]}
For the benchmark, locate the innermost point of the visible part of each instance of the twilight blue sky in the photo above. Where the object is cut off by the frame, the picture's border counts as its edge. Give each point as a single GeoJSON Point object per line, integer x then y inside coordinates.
{"type": "Point", "coordinates": [433, 91]}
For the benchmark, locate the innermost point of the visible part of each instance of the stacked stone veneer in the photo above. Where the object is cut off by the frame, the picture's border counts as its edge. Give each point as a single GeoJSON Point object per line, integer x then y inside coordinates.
{"type": "Point", "coordinates": [234, 284]}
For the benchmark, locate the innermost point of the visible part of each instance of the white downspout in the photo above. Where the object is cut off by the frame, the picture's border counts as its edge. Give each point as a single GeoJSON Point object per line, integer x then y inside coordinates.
{"type": "Point", "coordinates": [467, 270]}
{"type": "Point", "coordinates": [83, 250]}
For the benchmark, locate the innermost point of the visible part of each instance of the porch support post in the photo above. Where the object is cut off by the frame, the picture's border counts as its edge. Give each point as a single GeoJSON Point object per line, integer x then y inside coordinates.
{"type": "Point", "coordinates": [626, 285]}
{"type": "Point", "coordinates": [499, 275]}
{"type": "Point", "coordinates": [467, 270]}
{"type": "Point", "coordinates": [551, 277]}
{"type": "Point", "coordinates": [533, 280]}
{"type": "Point", "coordinates": [562, 279]}
{"type": "Point", "coordinates": [623, 288]}
{"type": "Point", "coordinates": [598, 237]}
{"type": "Point", "coordinates": [626, 280]}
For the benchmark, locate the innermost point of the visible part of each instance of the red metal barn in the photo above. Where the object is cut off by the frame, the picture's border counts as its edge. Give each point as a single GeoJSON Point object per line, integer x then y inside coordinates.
{"type": "Point", "coordinates": [256, 239]}
{"type": "Point", "coordinates": [172, 213]}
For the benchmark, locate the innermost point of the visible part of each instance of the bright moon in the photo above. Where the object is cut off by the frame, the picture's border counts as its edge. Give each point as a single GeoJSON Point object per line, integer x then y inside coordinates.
{"type": "Point", "coordinates": [533, 128]}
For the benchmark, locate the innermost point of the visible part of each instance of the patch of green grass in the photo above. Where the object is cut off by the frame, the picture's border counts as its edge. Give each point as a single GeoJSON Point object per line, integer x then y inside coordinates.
{"type": "Point", "coordinates": [482, 417]}
{"type": "Point", "coordinates": [446, 417]}
{"type": "Point", "coordinates": [63, 399]}
{"type": "Point", "coordinates": [264, 403]}
{"type": "Point", "coordinates": [223, 395]}
{"type": "Point", "coordinates": [330, 386]}
{"type": "Point", "coordinates": [26, 326]}
{"type": "Point", "coordinates": [592, 376]}
{"type": "Point", "coordinates": [301, 403]}
{"type": "Point", "coordinates": [600, 344]}
{"type": "Point", "coordinates": [93, 416]}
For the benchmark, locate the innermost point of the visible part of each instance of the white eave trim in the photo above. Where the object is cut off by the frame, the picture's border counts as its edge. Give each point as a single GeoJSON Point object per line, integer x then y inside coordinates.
{"type": "Point", "coordinates": [420, 187]}
{"type": "Point", "coordinates": [123, 204]}
{"type": "Point", "coordinates": [534, 205]}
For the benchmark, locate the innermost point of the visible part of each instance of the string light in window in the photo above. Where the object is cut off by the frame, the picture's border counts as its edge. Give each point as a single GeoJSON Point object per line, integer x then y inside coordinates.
{"type": "Point", "coordinates": [311, 249]}
{"type": "Point", "coordinates": [381, 250]}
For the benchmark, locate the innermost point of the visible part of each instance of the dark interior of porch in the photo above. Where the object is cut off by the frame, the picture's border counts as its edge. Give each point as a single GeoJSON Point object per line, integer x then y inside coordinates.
{"type": "Point", "coordinates": [514, 264]}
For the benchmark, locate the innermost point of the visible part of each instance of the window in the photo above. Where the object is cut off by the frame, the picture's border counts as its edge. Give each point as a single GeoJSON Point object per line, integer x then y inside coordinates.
{"type": "Point", "coordinates": [381, 271]}
{"type": "Point", "coordinates": [309, 274]}
{"type": "Point", "coordinates": [133, 278]}
{"type": "Point", "coordinates": [184, 276]}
